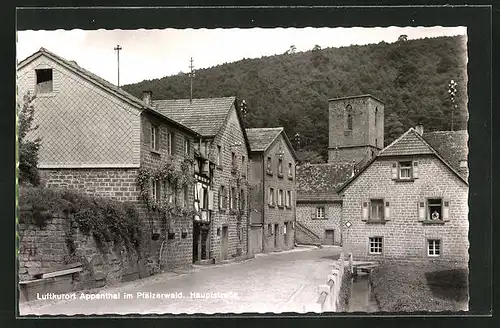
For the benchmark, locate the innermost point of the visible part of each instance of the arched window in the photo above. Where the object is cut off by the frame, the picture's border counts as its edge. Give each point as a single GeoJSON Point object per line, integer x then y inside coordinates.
{"type": "Point", "coordinates": [348, 111]}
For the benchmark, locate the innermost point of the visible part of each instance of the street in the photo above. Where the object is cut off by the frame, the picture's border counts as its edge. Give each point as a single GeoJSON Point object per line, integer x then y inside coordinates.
{"type": "Point", "coordinates": [276, 282]}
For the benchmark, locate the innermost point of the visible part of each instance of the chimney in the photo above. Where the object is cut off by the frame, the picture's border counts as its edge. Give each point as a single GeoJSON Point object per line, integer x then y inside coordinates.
{"type": "Point", "coordinates": [146, 96]}
{"type": "Point", "coordinates": [420, 129]}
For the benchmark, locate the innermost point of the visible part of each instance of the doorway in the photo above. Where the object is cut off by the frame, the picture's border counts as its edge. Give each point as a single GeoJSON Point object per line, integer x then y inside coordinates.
{"type": "Point", "coordinates": [276, 233]}
{"type": "Point", "coordinates": [329, 237]}
{"type": "Point", "coordinates": [224, 243]}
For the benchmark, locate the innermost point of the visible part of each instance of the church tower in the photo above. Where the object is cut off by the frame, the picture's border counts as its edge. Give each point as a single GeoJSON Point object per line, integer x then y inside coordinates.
{"type": "Point", "coordinates": [356, 128]}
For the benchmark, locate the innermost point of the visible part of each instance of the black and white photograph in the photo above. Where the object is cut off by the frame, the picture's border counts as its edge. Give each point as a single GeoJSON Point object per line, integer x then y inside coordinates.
{"type": "Point", "coordinates": [243, 170]}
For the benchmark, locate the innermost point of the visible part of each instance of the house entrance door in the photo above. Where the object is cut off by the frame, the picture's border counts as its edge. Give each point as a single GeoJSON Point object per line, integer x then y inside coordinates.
{"type": "Point", "coordinates": [224, 243]}
{"type": "Point", "coordinates": [329, 237]}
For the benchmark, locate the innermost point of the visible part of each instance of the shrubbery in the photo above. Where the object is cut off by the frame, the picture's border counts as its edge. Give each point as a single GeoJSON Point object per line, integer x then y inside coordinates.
{"type": "Point", "coordinates": [106, 220]}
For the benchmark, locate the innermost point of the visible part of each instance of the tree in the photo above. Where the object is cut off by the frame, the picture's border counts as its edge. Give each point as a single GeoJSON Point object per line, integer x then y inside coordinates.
{"type": "Point", "coordinates": [316, 48]}
{"type": "Point", "coordinates": [28, 149]}
{"type": "Point", "coordinates": [292, 49]}
{"type": "Point", "coordinates": [403, 38]}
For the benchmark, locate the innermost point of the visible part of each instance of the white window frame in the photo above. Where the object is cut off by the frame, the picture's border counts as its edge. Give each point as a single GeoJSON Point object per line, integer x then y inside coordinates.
{"type": "Point", "coordinates": [38, 84]}
{"type": "Point", "coordinates": [270, 198]}
{"type": "Point", "coordinates": [154, 138]}
{"type": "Point", "coordinates": [320, 212]}
{"type": "Point", "coordinates": [155, 190]}
{"type": "Point", "coordinates": [187, 147]}
{"type": "Point", "coordinates": [280, 166]}
{"type": "Point", "coordinates": [407, 166]}
{"type": "Point", "coordinates": [290, 174]}
{"type": "Point", "coordinates": [381, 209]}
{"type": "Point", "coordinates": [434, 245]}
{"type": "Point", "coordinates": [169, 143]}
{"type": "Point", "coordinates": [428, 209]}
{"type": "Point", "coordinates": [373, 245]}
{"type": "Point", "coordinates": [289, 198]}
{"type": "Point", "coordinates": [219, 155]}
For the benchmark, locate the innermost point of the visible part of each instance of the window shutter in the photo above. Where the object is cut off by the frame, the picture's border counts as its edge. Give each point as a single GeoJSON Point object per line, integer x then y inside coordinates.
{"type": "Point", "coordinates": [446, 209]}
{"type": "Point", "coordinates": [394, 171]}
{"type": "Point", "coordinates": [210, 200]}
{"type": "Point", "coordinates": [365, 211]}
{"type": "Point", "coordinates": [151, 191]}
{"type": "Point", "coordinates": [313, 212]}
{"type": "Point", "coordinates": [387, 213]}
{"type": "Point", "coordinates": [325, 215]}
{"type": "Point", "coordinates": [415, 169]}
{"type": "Point", "coordinates": [421, 210]}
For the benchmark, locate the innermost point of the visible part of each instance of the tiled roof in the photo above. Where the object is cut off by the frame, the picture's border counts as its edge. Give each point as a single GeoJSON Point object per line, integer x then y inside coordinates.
{"type": "Point", "coordinates": [110, 87]}
{"type": "Point", "coordinates": [410, 143]}
{"type": "Point", "coordinates": [451, 145]}
{"type": "Point", "coordinates": [205, 115]}
{"type": "Point", "coordinates": [261, 138]}
{"type": "Point", "coordinates": [319, 182]}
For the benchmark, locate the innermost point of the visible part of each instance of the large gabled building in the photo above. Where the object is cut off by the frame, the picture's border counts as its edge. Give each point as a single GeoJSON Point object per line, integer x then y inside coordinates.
{"type": "Point", "coordinates": [221, 233]}
{"type": "Point", "coordinates": [272, 178]}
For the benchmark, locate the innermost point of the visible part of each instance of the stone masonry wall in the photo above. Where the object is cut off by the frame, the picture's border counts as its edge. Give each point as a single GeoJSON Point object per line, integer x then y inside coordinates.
{"type": "Point", "coordinates": [47, 249]}
{"type": "Point", "coordinates": [306, 215]}
{"type": "Point", "coordinates": [178, 251]}
{"type": "Point", "coordinates": [279, 214]}
{"type": "Point", "coordinates": [231, 139]}
{"type": "Point", "coordinates": [404, 236]}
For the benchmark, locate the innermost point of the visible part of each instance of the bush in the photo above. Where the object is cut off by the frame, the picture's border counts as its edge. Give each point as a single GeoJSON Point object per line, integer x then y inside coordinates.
{"type": "Point", "coordinates": [106, 220]}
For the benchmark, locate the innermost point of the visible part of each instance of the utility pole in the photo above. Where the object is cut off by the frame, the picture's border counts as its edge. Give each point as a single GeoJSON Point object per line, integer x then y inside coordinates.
{"type": "Point", "coordinates": [452, 90]}
{"type": "Point", "coordinates": [118, 48]}
{"type": "Point", "coordinates": [191, 76]}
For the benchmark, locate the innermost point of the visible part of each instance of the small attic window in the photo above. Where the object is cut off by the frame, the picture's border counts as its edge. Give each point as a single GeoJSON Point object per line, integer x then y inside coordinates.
{"type": "Point", "coordinates": [44, 80]}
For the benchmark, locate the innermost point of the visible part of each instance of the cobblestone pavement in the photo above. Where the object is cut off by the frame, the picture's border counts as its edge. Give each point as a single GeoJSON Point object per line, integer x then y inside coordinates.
{"type": "Point", "coordinates": [276, 282]}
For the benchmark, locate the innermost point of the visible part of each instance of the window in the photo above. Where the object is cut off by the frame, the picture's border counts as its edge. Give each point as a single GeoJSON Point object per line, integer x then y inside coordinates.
{"type": "Point", "coordinates": [348, 117]}
{"type": "Point", "coordinates": [270, 229]}
{"type": "Point", "coordinates": [433, 247]}
{"type": "Point", "coordinates": [155, 138]}
{"type": "Point", "coordinates": [187, 146]}
{"type": "Point", "coordinates": [280, 167]}
{"type": "Point", "coordinates": [169, 193]}
{"type": "Point", "coordinates": [271, 196]}
{"type": "Point", "coordinates": [155, 190]}
{"type": "Point", "coordinates": [219, 155]}
{"type": "Point", "coordinates": [376, 209]}
{"type": "Point", "coordinates": [288, 198]}
{"type": "Point", "coordinates": [185, 196]}
{"type": "Point", "coordinates": [434, 209]}
{"type": "Point", "coordinates": [320, 212]}
{"type": "Point", "coordinates": [170, 143]}
{"type": "Point", "coordinates": [405, 170]}
{"type": "Point", "coordinates": [44, 80]}
{"type": "Point", "coordinates": [222, 197]}
{"type": "Point", "coordinates": [375, 245]}
{"type": "Point", "coordinates": [233, 198]}
{"type": "Point", "coordinates": [233, 160]}
{"type": "Point", "coordinates": [290, 174]}
{"type": "Point", "coordinates": [269, 170]}
{"type": "Point", "coordinates": [280, 198]}
{"type": "Point", "coordinates": [242, 199]}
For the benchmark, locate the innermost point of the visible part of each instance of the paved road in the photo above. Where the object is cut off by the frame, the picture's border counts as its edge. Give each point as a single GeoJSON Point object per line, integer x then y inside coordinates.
{"type": "Point", "coordinates": [278, 282]}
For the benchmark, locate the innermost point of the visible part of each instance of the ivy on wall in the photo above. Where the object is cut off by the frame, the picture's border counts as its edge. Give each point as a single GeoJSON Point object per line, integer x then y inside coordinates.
{"type": "Point", "coordinates": [104, 219]}
{"type": "Point", "coordinates": [175, 178]}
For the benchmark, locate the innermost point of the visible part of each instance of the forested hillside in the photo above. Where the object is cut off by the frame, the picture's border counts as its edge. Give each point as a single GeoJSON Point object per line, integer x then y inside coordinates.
{"type": "Point", "coordinates": [291, 90]}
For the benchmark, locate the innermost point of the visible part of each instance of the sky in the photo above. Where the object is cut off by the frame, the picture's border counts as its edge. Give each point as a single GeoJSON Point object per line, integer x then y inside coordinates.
{"type": "Point", "coordinates": [152, 54]}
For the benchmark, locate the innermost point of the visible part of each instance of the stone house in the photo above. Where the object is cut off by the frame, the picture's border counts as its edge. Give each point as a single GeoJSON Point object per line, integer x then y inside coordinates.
{"type": "Point", "coordinates": [319, 207]}
{"type": "Point", "coordinates": [223, 232]}
{"type": "Point", "coordinates": [97, 138]}
{"type": "Point", "coordinates": [272, 179]}
{"type": "Point", "coordinates": [411, 201]}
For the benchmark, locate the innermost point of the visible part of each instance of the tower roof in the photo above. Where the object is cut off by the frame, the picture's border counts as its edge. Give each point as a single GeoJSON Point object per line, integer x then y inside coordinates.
{"type": "Point", "coordinates": [359, 96]}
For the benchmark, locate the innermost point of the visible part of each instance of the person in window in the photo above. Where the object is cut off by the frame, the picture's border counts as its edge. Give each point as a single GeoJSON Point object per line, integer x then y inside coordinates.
{"type": "Point", "coordinates": [435, 215]}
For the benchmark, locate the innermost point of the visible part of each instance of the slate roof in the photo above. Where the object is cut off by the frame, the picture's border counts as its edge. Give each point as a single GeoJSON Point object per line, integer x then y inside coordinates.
{"type": "Point", "coordinates": [451, 145]}
{"type": "Point", "coordinates": [205, 115]}
{"type": "Point", "coordinates": [261, 138]}
{"type": "Point", "coordinates": [410, 143]}
{"type": "Point", "coordinates": [110, 87]}
{"type": "Point", "coordinates": [319, 182]}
